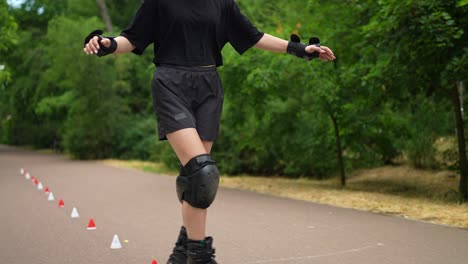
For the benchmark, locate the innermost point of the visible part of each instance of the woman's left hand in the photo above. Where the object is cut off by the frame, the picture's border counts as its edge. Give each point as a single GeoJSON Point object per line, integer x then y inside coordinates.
{"type": "Point", "coordinates": [326, 53]}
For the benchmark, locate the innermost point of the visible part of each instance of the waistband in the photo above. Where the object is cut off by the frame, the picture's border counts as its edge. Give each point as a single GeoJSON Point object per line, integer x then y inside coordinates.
{"type": "Point", "coordinates": [189, 68]}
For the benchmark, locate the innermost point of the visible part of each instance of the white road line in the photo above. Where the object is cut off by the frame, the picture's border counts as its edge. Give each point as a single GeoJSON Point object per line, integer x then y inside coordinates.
{"type": "Point", "coordinates": [318, 256]}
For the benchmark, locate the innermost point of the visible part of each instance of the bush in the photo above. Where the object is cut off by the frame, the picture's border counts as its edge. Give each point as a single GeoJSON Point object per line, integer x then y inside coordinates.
{"type": "Point", "coordinates": [162, 152]}
{"type": "Point", "coordinates": [136, 138]}
{"type": "Point", "coordinates": [429, 120]}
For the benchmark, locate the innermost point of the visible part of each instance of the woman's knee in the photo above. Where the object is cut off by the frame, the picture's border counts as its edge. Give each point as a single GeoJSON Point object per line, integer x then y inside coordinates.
{"type": "Point", "coordinates": [198, 182]}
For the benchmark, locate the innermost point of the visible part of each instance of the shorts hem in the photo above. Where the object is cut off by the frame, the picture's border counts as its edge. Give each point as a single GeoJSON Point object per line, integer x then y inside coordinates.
{"type": "Point", "coordinates": [208, 138]}
{"type": "Point", "coordinates": [162, 137]}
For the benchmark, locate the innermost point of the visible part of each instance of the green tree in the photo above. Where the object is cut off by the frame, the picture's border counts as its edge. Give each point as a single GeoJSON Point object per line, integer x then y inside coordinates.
{"type": "Point", "coordinates": [8, 41]}
{"type": "Point", "coordinates": [420, 49]}
{"type": "Point", "coordinates": [270, 120]}
{"type": "Point", "coordinates": [35, 14]}
{"type": "Point", "coordinates": [92, 103]}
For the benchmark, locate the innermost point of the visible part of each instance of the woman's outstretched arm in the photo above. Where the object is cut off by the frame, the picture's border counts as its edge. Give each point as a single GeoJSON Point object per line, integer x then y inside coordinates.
{"type": "Point", "coordinates": [275, 44]}
{"type": "Point", "coordinates": [123, 45]}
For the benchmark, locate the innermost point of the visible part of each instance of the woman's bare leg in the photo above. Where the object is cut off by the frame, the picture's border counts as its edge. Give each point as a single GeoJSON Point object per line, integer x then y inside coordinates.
{"type": "Point", "coordinates": [187, 144]}
{"type": "Point", "coordinates": [208, 145]}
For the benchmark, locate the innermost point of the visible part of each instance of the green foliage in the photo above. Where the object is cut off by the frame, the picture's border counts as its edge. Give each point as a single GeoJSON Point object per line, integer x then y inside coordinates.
{"type": "Point", "coordinates": [121, 11]}
{"type": "Point", "coordinates": [438, 26]}
{"type": "Point", "coordinates": [7, 29]}
{"type": "Point", "coordinates": [24, 125]}
{"type": "Point", "coordinates": [79, 9]}
{"type": "Point", "coordinates": [462, 3]}
{"type": "Point", "coordinates": [136, 138]}
{"type": "Point", "coordinates": [35, 14]}
{"type": "Point", "coordinates": [163, 152]}
{"type": "Point", "coordinates": [94, 110]}
{"type": "Point", "coordinates": [427, 122]}
{"type": "Point", "coordinates": [8, 41]}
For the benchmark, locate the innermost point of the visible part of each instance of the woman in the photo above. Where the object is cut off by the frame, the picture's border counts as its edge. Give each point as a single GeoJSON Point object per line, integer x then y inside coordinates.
{"type": "Point", "coordinates": [187, 95]}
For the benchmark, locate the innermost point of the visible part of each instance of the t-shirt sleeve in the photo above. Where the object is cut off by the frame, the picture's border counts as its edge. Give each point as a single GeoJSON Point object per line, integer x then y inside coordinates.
{"type": "Point", "coordinates": [241, 33]}
{"type": "Point", "coordinates": [141, 31]}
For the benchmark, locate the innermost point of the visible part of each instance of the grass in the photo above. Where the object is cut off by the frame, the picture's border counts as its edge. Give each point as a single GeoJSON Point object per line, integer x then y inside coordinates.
{"type": "Point", "coordinates": [145, 166]}
{"type": "Point", "coordinates": [393, 190]}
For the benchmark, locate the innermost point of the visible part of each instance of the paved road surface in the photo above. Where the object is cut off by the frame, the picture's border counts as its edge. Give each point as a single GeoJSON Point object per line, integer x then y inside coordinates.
{"type": "Point", "coordinates": [142, 208]}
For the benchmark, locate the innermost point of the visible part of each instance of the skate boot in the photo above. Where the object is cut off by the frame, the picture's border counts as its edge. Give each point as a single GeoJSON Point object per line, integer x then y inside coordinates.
{"type": "Point", "coordinates": [179, 253]}
{"type": "Point", "coordinates": [201, 252]}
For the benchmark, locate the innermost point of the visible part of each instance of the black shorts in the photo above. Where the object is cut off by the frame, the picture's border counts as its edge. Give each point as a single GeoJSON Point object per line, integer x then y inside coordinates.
{"type": "Point", "coordinates": [187, 97]}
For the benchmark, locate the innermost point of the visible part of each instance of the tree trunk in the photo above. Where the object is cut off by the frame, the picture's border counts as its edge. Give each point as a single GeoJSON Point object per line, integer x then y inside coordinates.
{"type": "Point", "coordinates": [461, 145]}
{"type": "Point", "coordinates": [105, 15]}
{"type": "Point", "coordinates": [339, 150]}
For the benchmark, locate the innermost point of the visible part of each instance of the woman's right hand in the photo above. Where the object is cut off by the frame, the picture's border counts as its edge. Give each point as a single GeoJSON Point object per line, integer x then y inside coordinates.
{"type": "Point", "coordinates": [92, 46]}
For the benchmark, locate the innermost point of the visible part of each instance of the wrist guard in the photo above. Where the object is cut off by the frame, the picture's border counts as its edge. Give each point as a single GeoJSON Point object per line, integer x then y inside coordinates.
{"type": "Point", "coordinates": [103, 50]}
{"type": "Point", "coordinates": [296, 48]}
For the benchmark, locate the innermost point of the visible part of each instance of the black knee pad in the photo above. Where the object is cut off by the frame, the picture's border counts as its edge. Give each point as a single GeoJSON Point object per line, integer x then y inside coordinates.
{"type": "Point", "coordinates": [198, 182]}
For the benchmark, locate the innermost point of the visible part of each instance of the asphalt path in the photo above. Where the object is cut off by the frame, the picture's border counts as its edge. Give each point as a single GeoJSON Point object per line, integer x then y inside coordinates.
{"type": "Point", "coordinates": [142, 209]}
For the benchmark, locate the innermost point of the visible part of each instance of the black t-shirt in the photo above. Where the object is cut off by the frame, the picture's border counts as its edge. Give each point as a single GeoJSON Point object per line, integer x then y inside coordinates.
{"type": "Point", "coordinates": [190, 32]}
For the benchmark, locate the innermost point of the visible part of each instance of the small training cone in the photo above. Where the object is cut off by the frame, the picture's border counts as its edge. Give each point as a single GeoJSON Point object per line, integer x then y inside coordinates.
{"type": "Point", "coordinates": [51, 197]}
{"type": "Point", "coordinates": [47, 190]}
{"type": "Point", "coordinates": [91, 225]}
{"type": "Point", "coordinates": [61, 204]}
{"type": "Point", "coordinates": [154, 262]}
{"type": "Point", "coordinates": [116, 243]}
{"type": "Point", "coordinates": [36, 181]}
{"type": "Point", "coordinates": [27, 176]}
{"type": "Point", "coordinates": [22, 171]}
{"type": "Point", "coordinates": [39, 186]}
{"type": "Point", "coordinates": [74, 213]}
